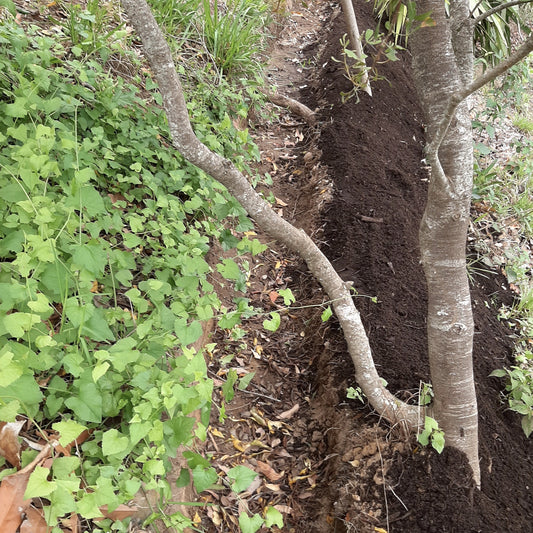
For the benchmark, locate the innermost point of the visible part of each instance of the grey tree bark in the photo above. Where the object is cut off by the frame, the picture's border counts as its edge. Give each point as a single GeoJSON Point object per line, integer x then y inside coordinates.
{"type": "Point", "coordinates": [186, 142]}
{"type": "Point", "coordinates": [442, 61]}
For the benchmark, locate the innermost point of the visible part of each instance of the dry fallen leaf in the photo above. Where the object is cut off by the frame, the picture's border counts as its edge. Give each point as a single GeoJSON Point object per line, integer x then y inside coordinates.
{"type": "Point", "coordinates": [268, 471]}
{"type": "Point", "coordinates": [9, 442]}
{"type": "Point", "coordinates": [273, 296]}
{"type": "Point", "coordinates": [34, 522]}
{"type": "Point", "coordinates": [12, 503]}
{"type": "Point", "coordinates": [272, 486]}
{"type": "Point", "coordinates": [120, 513]}
{"type": "Point", "coordinates": [72, 523]}
{"type": "Point", "coordinates": [288, 414]}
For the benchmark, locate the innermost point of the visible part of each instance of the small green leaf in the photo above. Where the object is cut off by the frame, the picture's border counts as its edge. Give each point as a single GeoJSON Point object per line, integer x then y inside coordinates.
{"type": "Point", "coordinates": [245, 381]}
{"type": "Point", "coordinates": [87, 404]}
{"type": "Point", "coordinates": [423, 438]}
{"type": "Point", "coordinates": [203, 477]}
{"type": "Point", "coordinates": [241, 477]}
{"type": "Point", "coordinates": [227, 388]}
{"type": "Point", "coordinates": [273, 517]}
{"type": "Point", "coordinates": [99, 370]}
{"type": "Point", "coordinates": [187, 333]}
{"type": "Point", "coordinates": [87, 506]}
{"type": "Point", "coordinates": [84, 175]}
{"type": "Point", "coordinates": [250, 524]}
{"type": "Point", "coordinates": [11, 370]}
{"type": "Point", "coordinates": [69, 431]}
{"type": "Point", "coordinates": [326, 314]}
{"type": "Point", "coordinates": [288, 297]}
{"type": "Point", "coordinates": [19, 323]}
{"type": "Point", "coordinates": [273, 323]}
{"type": "Point", "coordinates": [437, 441]}
{"type": "Point", "coordinates": [184, 478]}
{"type": "Point", "coordinates": [113, 442]}
{"type": "Point", "coordinates": [229, 269]}
{"type": "Point", "coordinates": [38, 484]}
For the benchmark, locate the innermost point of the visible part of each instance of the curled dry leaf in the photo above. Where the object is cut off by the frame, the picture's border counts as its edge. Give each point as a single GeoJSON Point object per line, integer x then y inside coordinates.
{"type": "Point", "coordinates": [288, 414]}
{"type": "Point", "coordinates": [283, 509]}
{"type": "Point", "coordinates": [34, 521]}
{"type": "Point", "coordinates": [9, 442]}
{"type": "Point", "coordinates": [12, 503]}
{"type": "Point", "coordinates": [72, 523]}
{"type": "Point", "coordinates": [120, 513]}
{"type": "Point", "coordinates": [273, 487]}
{"type": "Point", "coordinates": [268, 471]}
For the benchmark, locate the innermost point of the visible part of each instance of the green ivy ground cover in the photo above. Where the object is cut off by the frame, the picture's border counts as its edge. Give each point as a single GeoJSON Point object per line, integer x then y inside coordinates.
{"type": "Point", "coordinates": [103, 279]}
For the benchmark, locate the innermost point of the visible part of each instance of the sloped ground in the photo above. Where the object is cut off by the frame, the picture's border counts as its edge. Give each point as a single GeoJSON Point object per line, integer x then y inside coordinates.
{"type": "Point", "coordinates": [373, 150]}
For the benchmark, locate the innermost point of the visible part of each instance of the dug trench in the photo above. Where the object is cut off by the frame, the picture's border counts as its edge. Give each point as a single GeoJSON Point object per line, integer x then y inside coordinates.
{"type": "Point", "coordinates": [371, 477]}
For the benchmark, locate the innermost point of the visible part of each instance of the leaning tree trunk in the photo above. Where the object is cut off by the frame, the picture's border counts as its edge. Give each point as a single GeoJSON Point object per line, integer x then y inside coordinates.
{"type": "Point", "coordinates": [442, 64]}
{"type": "Point", "coordinates": [225, 172]}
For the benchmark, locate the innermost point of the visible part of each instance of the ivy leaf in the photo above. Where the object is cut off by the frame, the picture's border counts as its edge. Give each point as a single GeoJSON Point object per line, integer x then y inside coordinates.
{"type": "Point", "coordinates": [11, 370]}
{"type": "Point", "coordinates": [203, 477]}
{"type": "Point", "coordinates": [19, 323]}
{"type": "Point", "coordinates": [187, 334]}
{"type": "Point", "coordinates": [326, 314]}
{"type": "Point", "coordinates": [87, 404]}
{"type": "Point", "coordinates": [229, 269]}
{"type": "Point", "coordinates": [38, 484]}
{"type": "Point", "coordinates": [273, 517]}
{"type": "Point", "coordinates": [241, 477]}
{"type": "Point", "coordinates": [288, 297]}
{"type": "Point", "coordinates": [227, 388]}
{"type": "Point", "coordinates": [90, 256]}
{"type": "Point", "coordinates": [245, 381]}
{"type": "Point", "coordinates": [113, 442]}
{"type": "Point", "coordinates": [250, 524]}
{"type": "Point", "coordinates": [26, 390]}
{"type": "Point", "coordinates": [437, 441]}
{"type": "Point", "coordinates": [273, 323]}
{"type": "Point", "coordinates": [69, 431]}
{"type": "Point", "coordinates": [17, 109]}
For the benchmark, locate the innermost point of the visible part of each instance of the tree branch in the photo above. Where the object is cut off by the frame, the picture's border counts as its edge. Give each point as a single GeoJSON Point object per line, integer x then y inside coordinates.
{"type": "Point", "coordinates": [519, 54]}
{"type": "Point", "coordinates": [496, 9]}
{"type": "Point", "coordinates": [292, 105]}
{"type": "Point", "coordinates": [183, 138]}
{"type": "Point", "coordinates": [355, 40]}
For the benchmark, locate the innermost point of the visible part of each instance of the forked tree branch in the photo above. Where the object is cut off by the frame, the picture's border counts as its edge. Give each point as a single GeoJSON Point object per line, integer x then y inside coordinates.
{"type": "Point", "coordinates": [520, 53]}
{"type": "Point", "coordinates": [183, 138]}
{"type": "Point", "coordinates": [497, 9]}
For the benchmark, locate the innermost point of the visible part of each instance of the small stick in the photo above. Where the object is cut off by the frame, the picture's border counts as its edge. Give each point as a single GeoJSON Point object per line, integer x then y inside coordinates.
{"type": "Point", "coordinates": [292, 105]}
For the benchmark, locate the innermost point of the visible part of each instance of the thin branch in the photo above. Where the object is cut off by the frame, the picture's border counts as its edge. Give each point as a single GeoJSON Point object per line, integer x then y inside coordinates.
{"type": "Point", "coordinates": [355, 40]}
{"type": "Point", "coordinates": [496, 9]}
{"type": "Point", "coordinates": [475, 7]}
{"type": "Point", "coordinates": [525, 49]}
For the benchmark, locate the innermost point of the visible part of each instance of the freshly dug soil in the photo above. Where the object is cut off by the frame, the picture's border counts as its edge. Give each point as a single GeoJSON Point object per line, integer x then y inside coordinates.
{"type": "Point", "coordinates": [377, 478]}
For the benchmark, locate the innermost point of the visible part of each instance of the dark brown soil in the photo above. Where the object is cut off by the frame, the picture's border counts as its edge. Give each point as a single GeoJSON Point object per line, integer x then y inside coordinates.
{"type": "Point", "coordinates": [374, 478]}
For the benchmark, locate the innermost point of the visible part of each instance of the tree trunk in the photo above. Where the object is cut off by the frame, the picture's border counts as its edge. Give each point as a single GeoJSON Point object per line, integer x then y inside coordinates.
{"type": "Point", "coordinates": [442, 65]}
{"type": "Point", "coordinates": [185, 141]}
